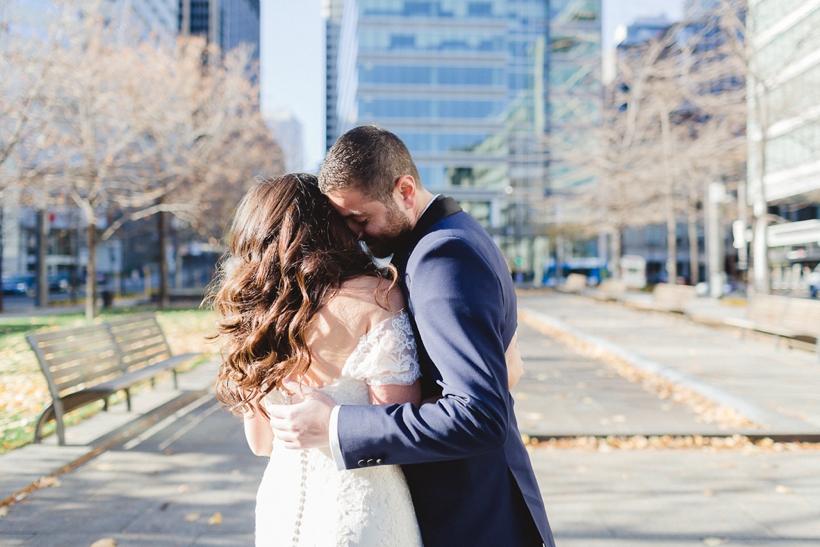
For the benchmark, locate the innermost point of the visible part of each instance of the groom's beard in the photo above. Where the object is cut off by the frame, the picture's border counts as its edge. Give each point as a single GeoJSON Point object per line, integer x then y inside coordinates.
{"type": "Point", "coordinates": [396, 232]}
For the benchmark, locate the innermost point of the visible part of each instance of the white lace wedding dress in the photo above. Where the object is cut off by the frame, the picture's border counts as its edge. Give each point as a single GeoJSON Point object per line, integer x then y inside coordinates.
{"type": "Point", "coordinates": [305, 501]}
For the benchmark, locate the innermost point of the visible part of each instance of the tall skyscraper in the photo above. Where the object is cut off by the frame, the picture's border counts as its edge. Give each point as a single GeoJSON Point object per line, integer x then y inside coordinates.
{"type": "Point", "coordinates": [158, 16]}
{"type": "Point", "coordinates": [575, 92]}
{"type": "Point", "coordinates": [240, 24]}
{"type": "Point", "coordinates": [224, 22]}
{"type": "Point", "coordinates": [468, 86]}
{"type": "Point", "coordinates": [201, 18]}
{"type": "Point", "coordinates": [783, 100]}
{"type": "Point", "coordinates": [287, 131]}
{"type": "Point", "coordinates": [434, 73]}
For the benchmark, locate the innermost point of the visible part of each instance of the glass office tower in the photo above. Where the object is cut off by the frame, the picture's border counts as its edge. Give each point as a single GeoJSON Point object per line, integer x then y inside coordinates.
{"type": "Point", "coordinates": [575, 89]}
{"type": "Point", "coordinates": [465, 84]}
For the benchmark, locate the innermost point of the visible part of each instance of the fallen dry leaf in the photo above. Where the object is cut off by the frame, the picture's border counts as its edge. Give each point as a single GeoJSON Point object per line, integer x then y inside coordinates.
{"type": "Point", "coordinates": [709, 493]}
{"type": "Point", "coordinates": [191, 517]}
{"type": "Point", "coordinates": [105, 542]}
{"type": "Point", "coordinates": [46, 482]}
{"type": "Point", "coordinates": [3, 512]}
{"type": "Point", "coordinates": [216, 519]}
{"type": "Point", "coordinates": [783, 489]}
{"type": "Point", "coordinates": [714, 542]}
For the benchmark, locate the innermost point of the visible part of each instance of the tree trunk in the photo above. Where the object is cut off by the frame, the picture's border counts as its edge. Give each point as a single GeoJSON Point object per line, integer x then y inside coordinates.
{"type": "Point", "coordinates": [762, 274]}
{"type": "Point", "coordinates": [671, 221]}
{"type": "Point", "coordinates": [617, 251]}
{"type": "Point", "coordinates": [91, 272]}
{"type": "Point", "coordinates": [672, 246]}
{"type": "Point", "coordinates": [163, 263]}
{"type": "Point", "coordinates": [42, 267]}
{"type": "Point", "coordinates": [694, 255]}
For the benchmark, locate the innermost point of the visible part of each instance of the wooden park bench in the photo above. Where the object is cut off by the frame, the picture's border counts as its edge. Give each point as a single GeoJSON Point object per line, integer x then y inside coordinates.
{"type": "Point", "coordinates": [670, 298]}
{"type": "Point", "coordinates": [575, 283]}
{"type": "Point", "coordinates": [86, 364]}
{"type": "Point", "coordinates": [792, 319]}
{"type": "Point", "coordinates": [610, 289]}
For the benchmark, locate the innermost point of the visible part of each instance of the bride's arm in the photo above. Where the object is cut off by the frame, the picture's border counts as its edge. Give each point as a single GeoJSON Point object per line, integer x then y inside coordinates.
{"type": "Point", "coordinates": [391, 394]}
{"type": "Point", "coordinates": [258, 432]}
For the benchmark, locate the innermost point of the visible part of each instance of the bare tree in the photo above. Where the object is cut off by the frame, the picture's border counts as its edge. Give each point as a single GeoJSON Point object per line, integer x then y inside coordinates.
{"type": "Point", "coordinates": [138, 127]}
{"type": "Point", "coordinates": [671, 118]}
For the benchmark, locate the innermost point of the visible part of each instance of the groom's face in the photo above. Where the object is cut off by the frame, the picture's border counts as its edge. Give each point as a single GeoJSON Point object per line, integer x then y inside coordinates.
{"type": "Point", "coordinates": [382, 225]}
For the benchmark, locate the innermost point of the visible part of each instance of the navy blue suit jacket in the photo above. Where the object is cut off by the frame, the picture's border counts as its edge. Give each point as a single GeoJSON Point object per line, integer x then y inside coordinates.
{"type": "Point", "coordinates": [467, 469]}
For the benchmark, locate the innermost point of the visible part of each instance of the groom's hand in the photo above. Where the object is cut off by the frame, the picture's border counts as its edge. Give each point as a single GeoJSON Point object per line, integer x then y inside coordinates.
{"type": "Point", "coordinates": [304, 424]}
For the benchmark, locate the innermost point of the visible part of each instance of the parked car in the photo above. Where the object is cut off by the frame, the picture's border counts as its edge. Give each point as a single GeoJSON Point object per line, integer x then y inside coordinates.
{"type": "Point", "coordinates": [814, 282]}
{"type": "Point", "coordinates": [59, 283]}
{"type": "Point", "coordinates": [18, 284]}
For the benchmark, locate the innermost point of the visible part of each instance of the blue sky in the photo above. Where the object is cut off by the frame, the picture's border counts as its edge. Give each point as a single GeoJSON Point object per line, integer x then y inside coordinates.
{"type": "Point", "coordinates": [293, 64]}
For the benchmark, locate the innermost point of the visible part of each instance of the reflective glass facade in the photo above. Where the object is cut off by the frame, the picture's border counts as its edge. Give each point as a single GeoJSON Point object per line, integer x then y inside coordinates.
{"type": "Point", "coordinates": [466, 86]}
{"type": "Point", "coordinates": [435, 74]}
{"type": "Point", "coordinates": [787, 59]}
{"type": "Point", "coordinates": [575, 82]}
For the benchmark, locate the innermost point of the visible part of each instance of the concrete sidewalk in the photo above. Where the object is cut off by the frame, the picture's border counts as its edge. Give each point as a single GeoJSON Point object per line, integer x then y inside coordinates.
{"type": "Point", "coordinates": [191, 482]}
{"type": "Point", "coordinates": [775, 388]}
{"type": "Point", "coordinates": [20, 469]}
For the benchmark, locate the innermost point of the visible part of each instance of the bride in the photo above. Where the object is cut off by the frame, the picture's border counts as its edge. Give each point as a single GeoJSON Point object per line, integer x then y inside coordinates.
{"type": "Point", "coordinates": [300, 302]}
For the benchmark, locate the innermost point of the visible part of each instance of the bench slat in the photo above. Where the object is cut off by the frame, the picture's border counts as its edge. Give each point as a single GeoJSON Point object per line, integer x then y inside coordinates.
{"type": "Point", "coordinates": [153, 338]}
{"type": "Point", "coordinates": [131, 361]}
{"type": "Point", "coordinates": [71, 382]}
{"type": "Point", "coordinates": [131, 319]}
{"type": "Point", "coordinates": [49, 337]}
{"type": "Point", "coordinates": [57, 359]}
{"type": "Point", "coordinates": [75, 340]}
{"type": "Point", "coordinates": [131, 326]}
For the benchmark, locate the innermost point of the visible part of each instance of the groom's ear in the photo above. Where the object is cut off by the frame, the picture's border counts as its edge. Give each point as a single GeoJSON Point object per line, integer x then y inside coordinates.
{"type": "Point", "coordinates": [406, 189]}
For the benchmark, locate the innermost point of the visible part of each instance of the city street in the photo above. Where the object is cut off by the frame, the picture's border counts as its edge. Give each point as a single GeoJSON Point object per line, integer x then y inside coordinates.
{"type": "Point", "coordinates": [191, 480]}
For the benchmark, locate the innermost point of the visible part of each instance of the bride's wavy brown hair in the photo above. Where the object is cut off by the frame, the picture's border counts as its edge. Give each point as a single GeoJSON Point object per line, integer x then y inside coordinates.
{"type": "Point", "coordinates": [289, 253]}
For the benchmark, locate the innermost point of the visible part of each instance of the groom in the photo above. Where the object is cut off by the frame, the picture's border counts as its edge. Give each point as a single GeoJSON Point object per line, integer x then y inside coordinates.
{"type": "Point", "coordinates": [468, 471]}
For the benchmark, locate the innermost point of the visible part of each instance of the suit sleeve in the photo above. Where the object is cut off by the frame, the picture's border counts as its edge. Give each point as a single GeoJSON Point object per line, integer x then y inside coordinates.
{"type": "Point", "coordinates": [457, 302]}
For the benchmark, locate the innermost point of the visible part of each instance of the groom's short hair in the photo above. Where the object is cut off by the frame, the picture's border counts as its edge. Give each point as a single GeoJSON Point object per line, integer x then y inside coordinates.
{"type": "Point", "coordinates": [368, 159]}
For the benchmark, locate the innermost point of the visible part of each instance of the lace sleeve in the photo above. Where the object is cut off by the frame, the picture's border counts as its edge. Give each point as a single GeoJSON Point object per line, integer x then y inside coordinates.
{"type": "Point", "coordinates": [387, 354]}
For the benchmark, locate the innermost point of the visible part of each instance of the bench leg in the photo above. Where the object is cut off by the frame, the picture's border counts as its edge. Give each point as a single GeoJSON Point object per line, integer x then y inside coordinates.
{"type": "Point", "coordinates": [176, 385]}
{"type": "Point", "coordinates": [128, 399]}
{"type": "Point", "coordinates": [105, 404]}
{"type": "Point", "coordinates": [38, 429]}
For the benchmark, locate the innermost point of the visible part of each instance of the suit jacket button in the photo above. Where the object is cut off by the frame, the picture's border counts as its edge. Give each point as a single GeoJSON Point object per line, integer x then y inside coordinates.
{"type": "Point", "coordinates": [379, 461]}
{"type": "Point", "coordinates": [371, 462]}
{"type": "Point", "coordinates": [362, 463]}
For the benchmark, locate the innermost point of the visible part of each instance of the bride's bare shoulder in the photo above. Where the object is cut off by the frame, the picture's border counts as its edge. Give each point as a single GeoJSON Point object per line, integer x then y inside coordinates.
{"type": "Point", "coordinates": [370, 295]}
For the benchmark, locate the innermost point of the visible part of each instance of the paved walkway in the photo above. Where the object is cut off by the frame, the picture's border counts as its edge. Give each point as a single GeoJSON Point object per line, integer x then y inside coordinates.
{"type": "Point", "coordinates": [178, 471]}
{"type": "Point", "coordinates": [563, 394]}
{"type": "Point", "coordinates": [776, 388]}
{"type": "Point", "coordinates": [681, 498]}
{"type": "Point", "coordinates": [189, 482]}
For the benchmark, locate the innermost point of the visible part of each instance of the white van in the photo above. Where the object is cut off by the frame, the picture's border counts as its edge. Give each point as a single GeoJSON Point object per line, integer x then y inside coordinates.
{"type": "Point", "coordinates": [633, 271]}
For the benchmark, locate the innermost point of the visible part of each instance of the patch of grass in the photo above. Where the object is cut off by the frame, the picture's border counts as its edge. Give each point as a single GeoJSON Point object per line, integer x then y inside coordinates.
{"type": "Point", "coordinates": [23, 390]}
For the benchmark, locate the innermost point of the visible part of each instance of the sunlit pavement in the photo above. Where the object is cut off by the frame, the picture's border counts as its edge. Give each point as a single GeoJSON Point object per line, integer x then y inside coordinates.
{"type": "Point", "coordinates": [677, 498]}
{"type": "Point", "coordinates": [189, 478]}
{"type": "Point", "coordinates": [191, 483]}
{"type": "Point", "coordinates": [774, 387]}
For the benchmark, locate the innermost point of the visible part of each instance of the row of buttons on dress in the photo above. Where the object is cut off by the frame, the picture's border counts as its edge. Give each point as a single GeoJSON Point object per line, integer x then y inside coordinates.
{"type": "Point", "coordinates": [368, 463]}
